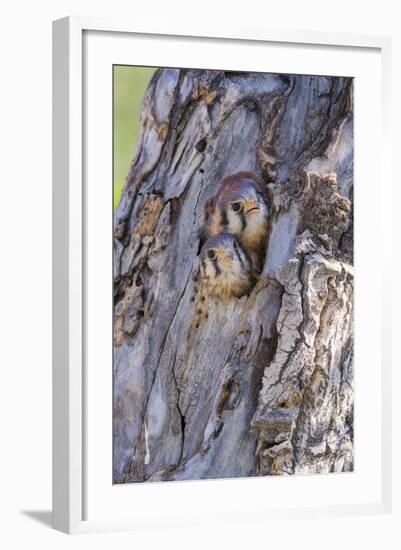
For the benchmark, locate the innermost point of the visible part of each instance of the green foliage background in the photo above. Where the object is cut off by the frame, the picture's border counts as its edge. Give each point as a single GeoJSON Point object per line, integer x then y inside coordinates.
{"type": "Point", "coordinates": [130, 84]}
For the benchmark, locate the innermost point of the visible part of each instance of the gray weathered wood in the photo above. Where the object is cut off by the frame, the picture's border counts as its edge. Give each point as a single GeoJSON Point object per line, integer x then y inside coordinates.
{"type": "Point", "coordinates": [264, 385]}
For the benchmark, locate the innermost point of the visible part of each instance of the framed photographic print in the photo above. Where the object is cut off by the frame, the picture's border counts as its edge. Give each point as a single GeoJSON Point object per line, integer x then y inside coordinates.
{"type": "Point", "coordinates": [216, 306]}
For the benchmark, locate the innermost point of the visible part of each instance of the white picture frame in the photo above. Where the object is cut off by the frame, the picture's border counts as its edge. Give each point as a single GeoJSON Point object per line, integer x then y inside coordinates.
{"type": "Point", "coordinates": [70, 425]}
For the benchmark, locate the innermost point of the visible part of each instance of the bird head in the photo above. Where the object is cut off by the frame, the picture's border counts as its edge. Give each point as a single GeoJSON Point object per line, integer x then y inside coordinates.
{"type": "Point", "coordinates": [222, 255]}
{"type": "Point", "coordinates": [241, 204]}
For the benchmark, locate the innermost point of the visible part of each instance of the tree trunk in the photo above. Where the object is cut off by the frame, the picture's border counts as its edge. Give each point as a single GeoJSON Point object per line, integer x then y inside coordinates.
{"type": "Point", "coordinates": [265, 385]}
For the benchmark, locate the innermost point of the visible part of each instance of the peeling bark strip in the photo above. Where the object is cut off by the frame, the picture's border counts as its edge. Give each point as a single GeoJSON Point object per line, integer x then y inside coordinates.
{"type": "Point", "coordinates": [264, 386]}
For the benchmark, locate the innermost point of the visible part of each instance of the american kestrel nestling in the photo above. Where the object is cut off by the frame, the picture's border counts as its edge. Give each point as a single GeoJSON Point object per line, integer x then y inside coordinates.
{"type": "Point", "coordinates": [240, 208]}
{"type": "Point", "coordinates": [225, 270]}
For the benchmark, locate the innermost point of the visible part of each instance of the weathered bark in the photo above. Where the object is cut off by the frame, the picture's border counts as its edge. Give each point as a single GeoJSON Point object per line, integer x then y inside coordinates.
{"type": "Point", "coordinates": [264, 385]}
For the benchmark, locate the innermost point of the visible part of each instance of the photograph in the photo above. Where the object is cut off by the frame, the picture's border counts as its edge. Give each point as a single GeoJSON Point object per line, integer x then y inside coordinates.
{"type": "Point", "coordinates": [233, 278]}
{"type": "Point", "coordinates": [210, 218]}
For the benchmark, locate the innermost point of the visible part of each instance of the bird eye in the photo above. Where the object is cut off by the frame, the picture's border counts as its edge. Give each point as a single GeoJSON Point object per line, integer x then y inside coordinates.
{"type": "Point", "coordinates": [236, 206]}
{"type": "Point", "coordinates": [211, 254]}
